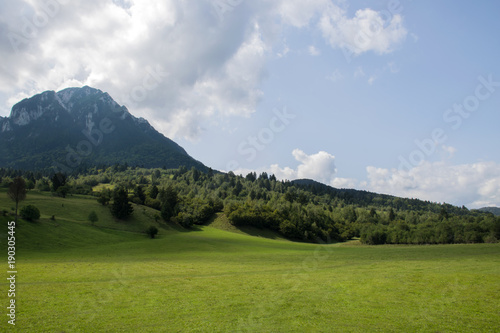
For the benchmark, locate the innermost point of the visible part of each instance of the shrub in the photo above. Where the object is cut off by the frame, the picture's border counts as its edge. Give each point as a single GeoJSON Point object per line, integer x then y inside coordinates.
{"type": "Point", "coordinates": [104, 197]}
{"type": "Point", "coordinates": [490, 239]}
{"type": "Point", "coordinates": [185, 220]}
{"type": "Point", "coordinates": [93, 218]}
{"type": "Point", "coordinates": [30, 213]}
{"type": "Point", "coordinates": [153, 203]}
{"type": "Point", "coordinates": [152, 231]}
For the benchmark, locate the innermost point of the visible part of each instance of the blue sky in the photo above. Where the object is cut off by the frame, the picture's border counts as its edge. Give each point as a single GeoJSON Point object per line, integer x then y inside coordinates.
{"type": "Point", "coordinates": [338, 91]}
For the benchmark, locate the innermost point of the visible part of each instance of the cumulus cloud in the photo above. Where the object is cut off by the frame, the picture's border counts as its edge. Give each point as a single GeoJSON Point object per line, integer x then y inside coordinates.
{"type": "Point", "coordinates": [209, 56]}
{"type": "Point", "coordinates": [474, 185]}
{"type": "Point", "coordinates": [319, 166]}
{"type": "Point", "coordinates": [368, 30]}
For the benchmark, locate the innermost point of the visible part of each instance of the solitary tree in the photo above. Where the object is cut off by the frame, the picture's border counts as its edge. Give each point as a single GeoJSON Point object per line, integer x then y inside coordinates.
{"type": "Point", "coordinates": [17, 191]}
{"type": "Point", "coordinates": [152, 231]}
{"type": "Point", "coordinates": [93, 218]}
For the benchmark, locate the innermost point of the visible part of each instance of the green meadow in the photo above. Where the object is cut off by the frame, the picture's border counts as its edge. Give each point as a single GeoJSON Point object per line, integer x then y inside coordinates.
{"type": "Point", "coordinates": [109, 277]}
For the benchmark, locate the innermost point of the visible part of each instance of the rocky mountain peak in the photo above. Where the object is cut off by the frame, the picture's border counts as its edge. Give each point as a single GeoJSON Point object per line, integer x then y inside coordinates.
{"type": "Point", "coordinates": [77, 126]}
{"type": "Point", "coordinates": [51, 104]}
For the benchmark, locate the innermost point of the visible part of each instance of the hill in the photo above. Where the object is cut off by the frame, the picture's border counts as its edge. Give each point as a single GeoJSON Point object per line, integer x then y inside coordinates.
{"type": "Point", "coordinates": [493, 210]}
{"type": "Point", "coordinates": [81, 127]}
{"type": "Point", "coordinates": [366, 198]}
{"type": "Point", "coordinates": [293, 210]}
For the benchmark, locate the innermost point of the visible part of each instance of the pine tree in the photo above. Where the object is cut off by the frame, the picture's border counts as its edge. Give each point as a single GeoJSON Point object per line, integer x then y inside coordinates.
{"type": "Point", "coordinates": [139, 193]}
{"type": "Point", "coordinates": [121, 208]}
{"type": "Point", "coordinates": [58, 180]}
{"type": "Point", "coordinates": [392, 215]}
{"type": "Point", "coordinates": [153, 193]}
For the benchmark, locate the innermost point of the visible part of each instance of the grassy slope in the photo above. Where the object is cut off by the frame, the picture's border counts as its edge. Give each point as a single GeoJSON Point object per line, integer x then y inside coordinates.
{"type": "Point", "coordinates": [74, 277]}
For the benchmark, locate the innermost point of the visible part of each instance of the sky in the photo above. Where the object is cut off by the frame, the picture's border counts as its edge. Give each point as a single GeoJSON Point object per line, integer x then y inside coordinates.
{"type": "Point", "coordinates": [398, 97]}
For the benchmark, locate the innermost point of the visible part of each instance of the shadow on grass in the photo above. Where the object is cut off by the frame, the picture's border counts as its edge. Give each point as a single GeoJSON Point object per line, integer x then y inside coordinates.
{"type": "Point", "coordinates": [220, 221]}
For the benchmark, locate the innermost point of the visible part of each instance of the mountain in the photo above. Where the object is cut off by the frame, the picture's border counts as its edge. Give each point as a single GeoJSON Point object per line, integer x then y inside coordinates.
{"type": "Point", "coordinates": [493, 210]}
{"type": "Point", "coordinates": [78, 127]}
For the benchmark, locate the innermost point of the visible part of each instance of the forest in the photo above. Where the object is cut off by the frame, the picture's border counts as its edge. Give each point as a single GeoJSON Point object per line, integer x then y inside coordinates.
{"type": "Point", "coordinates": [302, 210]}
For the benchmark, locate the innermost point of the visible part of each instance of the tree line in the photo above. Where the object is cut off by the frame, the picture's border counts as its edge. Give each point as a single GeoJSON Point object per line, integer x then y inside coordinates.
{"type": "Point", "coordinates": [302, 211]}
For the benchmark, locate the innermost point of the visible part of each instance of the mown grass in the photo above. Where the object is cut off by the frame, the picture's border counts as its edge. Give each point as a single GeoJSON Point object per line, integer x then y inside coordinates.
{"type": "Point", "coordinates": [75, 277]}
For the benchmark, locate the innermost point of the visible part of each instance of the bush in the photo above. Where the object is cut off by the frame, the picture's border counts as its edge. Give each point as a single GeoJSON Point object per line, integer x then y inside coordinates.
{"type": "Point", "coordinates": [153, 203]}
{"type": "Point", "coordinates": [152, 231]}
{"type": "Point", "coordinates": [185, 220]}
{"type": "Point", "coordinates": [373, 236]}
{"type": "Point", "coordinates": [30, 213]}
{"type": "Point", "coordinates": [93, 218]}
{"type": "Point", "coordinates": [104, 197]}
{"type": "Point", "coordinates": [490, 239]}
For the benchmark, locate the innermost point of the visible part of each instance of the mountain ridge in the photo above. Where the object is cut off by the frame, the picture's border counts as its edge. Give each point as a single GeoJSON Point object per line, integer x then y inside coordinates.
{"type": "Point", "coordinates": [83, 126]}
{"type": "Point", "coordinates": [493, 210]}
{"type": "Point", "coordinates": [367, 198]}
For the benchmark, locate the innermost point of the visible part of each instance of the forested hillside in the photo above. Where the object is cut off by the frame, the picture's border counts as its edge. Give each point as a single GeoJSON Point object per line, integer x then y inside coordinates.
{"type": "Point", "coordinates": [301, 210]}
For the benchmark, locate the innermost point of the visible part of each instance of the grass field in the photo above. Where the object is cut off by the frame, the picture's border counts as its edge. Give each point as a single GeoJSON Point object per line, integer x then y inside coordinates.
{"type": "Point", "coordinates": [75, 277]}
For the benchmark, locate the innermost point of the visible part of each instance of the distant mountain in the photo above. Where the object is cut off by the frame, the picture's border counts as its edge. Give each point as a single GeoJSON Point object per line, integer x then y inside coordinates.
{"type": "Point", "coordinates": [78, 127]}
{"type": "Point", "coordinates": [493, 210]}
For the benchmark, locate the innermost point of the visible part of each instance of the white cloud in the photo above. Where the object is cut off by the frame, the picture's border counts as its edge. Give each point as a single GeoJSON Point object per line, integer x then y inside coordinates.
{"type": "Point", "coordinates": [344, 182]}
{"type": "Point", "coordinates": [299, 13]}
{"type": "Point", "coordinates": [335, 76]}
{"type": "Point", "coordinates": [313, 51]}
{"type": "Point", "coordinates": [366, 31]}
{"type": "Point", "coordinates": [319, 166]}
{"type": "Point", "coordinates": [474, 185]}
{"type": "Point", "coordinates": [448, 151]}
{"type": "Point", "coordinates": [216, 61]}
